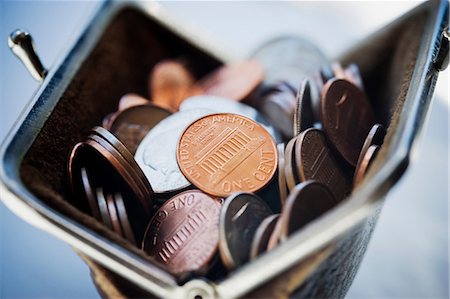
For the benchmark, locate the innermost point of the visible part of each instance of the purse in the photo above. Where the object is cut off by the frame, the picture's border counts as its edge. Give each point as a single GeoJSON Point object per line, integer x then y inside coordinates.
{"type": "Point", "coordinates": [399, 65]}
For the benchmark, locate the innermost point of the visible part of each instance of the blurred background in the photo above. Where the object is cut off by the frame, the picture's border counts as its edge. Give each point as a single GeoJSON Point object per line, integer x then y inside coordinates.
{"type": "Point", "coordinates": [408, 254]}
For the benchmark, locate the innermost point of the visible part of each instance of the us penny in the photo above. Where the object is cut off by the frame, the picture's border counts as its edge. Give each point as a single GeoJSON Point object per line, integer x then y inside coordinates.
{"type": "Point", "coordinates": [124, 155]}
{"type": "Point", "coordinates": [375, 137]}
{"type": "Point", "coordinates": [346, 116]}
{"type": "Point", "coordinates": [170, 83]}
{"type": "Point", "coordinates": [290, 166]}
{"type": "Point", "coordinates": [123, 218]}
{"type": "Point", "coordinates": [234, 81]}
{"type": "Point", "coordinates": [315, 161]}
{"type": "Point", "coordinates": [113, 216]}
{"type": "Point", "coordinates": [88, 191]}
{"type": "Point", "coordinates": [282, 187]}
{"type": "Point", "coordinates": [262, 235]}
{"type": "Point", "coordinates": [124, 170]}
{"type": "Point", "coordinates": [240, 216]}
{"type": "Point", "coordinates": [364, 165]}
{"type": "Point", "coordinates": [225, 153]}
{"type": "Point", "coordinates": [156, 154]}
{"type": "Point", "coordinates": [103, 208]}
{"type": "Point", "coordinates": [184, 233]}
{"type": "Point", "coordinates": [226, 105]}
{"type": "Point", "coordinates": [132, 124]}
{"type": "Point", "coordinates": [130, 100]}
{"type": "Point", "coordinates": [306, 202]}
{"type": "Point", "coordinates": [303, 115]}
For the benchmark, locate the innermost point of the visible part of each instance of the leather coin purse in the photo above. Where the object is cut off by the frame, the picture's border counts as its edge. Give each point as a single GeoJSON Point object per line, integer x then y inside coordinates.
{"type": "Point", "coordinates": [399, 65]}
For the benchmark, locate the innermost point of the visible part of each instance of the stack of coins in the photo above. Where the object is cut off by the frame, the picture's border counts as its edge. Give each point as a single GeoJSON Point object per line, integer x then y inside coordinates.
{"type": "Point", "coordinates": [207, 174]}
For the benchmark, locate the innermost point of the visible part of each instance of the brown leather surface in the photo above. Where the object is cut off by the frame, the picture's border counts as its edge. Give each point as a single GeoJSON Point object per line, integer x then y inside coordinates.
{"type": "Point", "coordinates": [120, 64]}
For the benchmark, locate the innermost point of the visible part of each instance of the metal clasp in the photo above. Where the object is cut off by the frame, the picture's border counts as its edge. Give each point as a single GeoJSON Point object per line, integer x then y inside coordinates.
{"type": "Point", "coordinates": [441, 60]}
{"type": "Point", "coordinates": [21, 44]}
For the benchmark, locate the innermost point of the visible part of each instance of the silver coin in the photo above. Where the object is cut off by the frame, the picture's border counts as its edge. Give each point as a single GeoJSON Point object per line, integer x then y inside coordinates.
{"type": "Point", "coordinates": [156, 154]}
{"type": "Point", "coordinates": [240, 216]}
{"type": "Point", "coordinates": [224, 105]}
{"type": "Point", "coordinates": [289, 58]}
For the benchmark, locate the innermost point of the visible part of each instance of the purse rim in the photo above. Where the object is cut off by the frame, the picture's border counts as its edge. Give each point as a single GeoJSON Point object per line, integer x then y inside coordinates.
{"type": "Point", "coordinates": [315, 236]}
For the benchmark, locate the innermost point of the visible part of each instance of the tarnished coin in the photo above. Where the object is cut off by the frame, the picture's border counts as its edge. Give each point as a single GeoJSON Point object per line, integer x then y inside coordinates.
{"type": "Point", "coordinates": [233, 81]}
{"type": "Point", "coordinates": [156, 154]}
{"type": "Point", "coordinates": [107, 120]}
{"type": "Point", "coordinates": [123, 218]}
{"type": "Point", "coordinates": [123, 168]}
{"type": "Point", "coordinates": [347, 117]}
{"type": "Point", "coordinates": [364, 165]}
{"type": "Point", "coordinates": [184, 233]}
{"type": "Point", "coordinates": [113, 216]}
{"type": "Point", "coordinates": [306, 202]}
{"type": "Point", "coordinates": [315, 161]}
{"type": "Point", "coordinates": [170, 83]}
{"type": "Point", "coordinates": [240, 216]}
{"type": "Point", "coordinates": [262, 235]}
{"type": "Point", "coordinates": [375, 137]}
{"type": "Point", "coordinates": [130, 100]}
{"type": "Point", "coordinates": [225, 105]}
{"type": "Point", "coordinates": [225, 153]}
{"type": "Point", "coordinates": [289, 58]}
{"type": "Point", "coordinates": [282, 186]}
{"type": "Point", "coordinates": [125, 154]}
{"type": "Point", "coordinates": [290, 166]}
{"type": "Point", "coordinates": [103, 208]}
{"type": "Point", "coordinates": [132, 124]}
{"type": "Point", "coordinates": [303, 115]}
{"type": "Point", "coordinates": [88, 190]}
{"type": "Point", "coordinates": [278, 105]}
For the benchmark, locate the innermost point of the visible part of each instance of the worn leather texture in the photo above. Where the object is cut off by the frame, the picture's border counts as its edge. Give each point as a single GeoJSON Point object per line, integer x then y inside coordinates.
{"type": "Point", "coordinates": [120, 63]}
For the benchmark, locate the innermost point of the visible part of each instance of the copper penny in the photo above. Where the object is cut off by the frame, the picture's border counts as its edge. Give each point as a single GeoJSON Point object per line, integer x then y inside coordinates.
{"type": "Point", "coordinates": [346, 117]}
{"type": "Point", "coordinates": [306, 202]}
{"type": "Point", "coordinates": [234, 81]}
{"type": "Point", "coordinates": [88, 190]}
{"type": "Point", "coordinates": [107, 120]}
{"type": "Point", "coordinates": [132, 124]}
{"type": "Point", "coordinates": [184, 233]}
{"type": "Point", "coordinates": [315, 161]}
{"type": "Point", "coordinates": [122, 167]}
{"type": "Point", "coordinates": [128, 157]}
{"type": "Point", "coordinates": [282, 187]}
{"type": "Point", "coordinates": [262, 235]}
{"type": "Point", "coordinates": [225, 153]}
{"type": "Point", "coordinates": [170, 83]}
{"type": "Point", "coordinates": [130, 100]}
{"type": "Point", "coordinates": [123, 218]}
{"type": "Point", "coordinates": [113, 216]}
{"type": "Point", "coordinates": [240, 216]}
{"type": "Point", "coordinates": [290, 167]}
{"type": "Point", "coordinates": [364, 165]}
{"type": "Point", "coordinates": [375, 137]}
{"type": "Point", "coordinates": [103, 208]}
{"type": "Point", "coordinates": [303, 115]}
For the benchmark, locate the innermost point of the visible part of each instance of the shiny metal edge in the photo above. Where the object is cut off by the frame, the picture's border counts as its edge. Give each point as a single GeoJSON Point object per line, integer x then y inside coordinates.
{"type": "Point", "coordinates": [313, 237]}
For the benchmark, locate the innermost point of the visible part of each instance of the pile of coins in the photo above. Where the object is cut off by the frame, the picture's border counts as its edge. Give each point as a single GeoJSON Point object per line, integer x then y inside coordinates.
{"type": "Point", "coordinates": [211, 173]}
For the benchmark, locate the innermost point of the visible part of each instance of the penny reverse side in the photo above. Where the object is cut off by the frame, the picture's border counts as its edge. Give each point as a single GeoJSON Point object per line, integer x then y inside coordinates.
{"type": "Point", "coordinates": [225, 153]}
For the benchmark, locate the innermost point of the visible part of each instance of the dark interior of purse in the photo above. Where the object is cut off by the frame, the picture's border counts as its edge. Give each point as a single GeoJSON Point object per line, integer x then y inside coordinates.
{"type": "Point", "coordinates": [120, 63]}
